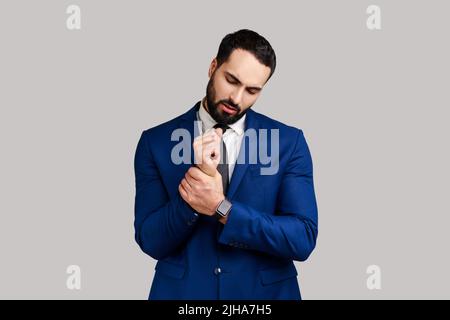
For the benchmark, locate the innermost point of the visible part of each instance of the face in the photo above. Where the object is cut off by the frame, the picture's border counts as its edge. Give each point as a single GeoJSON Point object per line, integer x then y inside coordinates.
{"type": "Point", "coordinates": [234, 86]}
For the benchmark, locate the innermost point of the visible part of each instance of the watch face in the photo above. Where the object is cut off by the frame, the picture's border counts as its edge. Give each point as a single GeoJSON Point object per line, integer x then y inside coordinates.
{"type": "Point", "coordinates": [224, 208]}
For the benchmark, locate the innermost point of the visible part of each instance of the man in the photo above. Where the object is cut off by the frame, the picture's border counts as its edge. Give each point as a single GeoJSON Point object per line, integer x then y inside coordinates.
{"type": "Point", "coordinates": [220, 226]}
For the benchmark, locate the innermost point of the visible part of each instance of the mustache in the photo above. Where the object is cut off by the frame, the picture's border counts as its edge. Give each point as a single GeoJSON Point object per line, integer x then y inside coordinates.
{"type": "Point", "coordinates": [230, 104]}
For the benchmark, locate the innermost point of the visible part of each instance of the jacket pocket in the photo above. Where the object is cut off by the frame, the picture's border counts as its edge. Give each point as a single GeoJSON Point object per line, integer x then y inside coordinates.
{"type": "Point", "coordinates": [170, 269]}
{"type": "Point", "coordinates": [274, 275]}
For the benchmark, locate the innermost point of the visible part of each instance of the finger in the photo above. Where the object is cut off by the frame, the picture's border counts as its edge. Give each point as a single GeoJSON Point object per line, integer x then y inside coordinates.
{"type": "Point", "coordinates": [204, 139]}
{"type": "Point", "coordinates": [211, 143]}
{"type": "Point", "coordinates": [185, 184]}
{"type": "Point", "coordinates": [189, 180]}
{"type": "Point", "coordinates": [211, 151]}
{"type": "Point", "coordinates": [195, 173]}
{"type": "Point", "coordinates": [210, 131]}
{"type": "Point", "coordinates": [207, 134]}
{"type": "Point", "coordinates": [219, 132]}
{"type": "Point", "coordinates": [183, 192]}
{"type": "Point", "coordinates": [215, 132]}
{"type": "Point", "coordinates": [189, 173]}
{"type": "Point", "coordinates": [209, 138]}
{"type": "Point", "coordinates": [199, 145]}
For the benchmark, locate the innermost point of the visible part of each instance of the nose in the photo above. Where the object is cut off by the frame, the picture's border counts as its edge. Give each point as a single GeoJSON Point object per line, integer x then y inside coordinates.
{"type": "Point", "coordinates": [236, 96]}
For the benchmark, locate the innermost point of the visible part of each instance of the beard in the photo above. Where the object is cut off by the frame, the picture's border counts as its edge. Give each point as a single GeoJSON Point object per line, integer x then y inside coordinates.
{"type": "Point", "coordinates": [216, 113]}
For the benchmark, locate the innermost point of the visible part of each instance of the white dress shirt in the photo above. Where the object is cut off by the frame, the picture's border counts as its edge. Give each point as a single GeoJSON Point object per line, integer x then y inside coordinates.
{"type": "Point", "coordinates": [232, 137]}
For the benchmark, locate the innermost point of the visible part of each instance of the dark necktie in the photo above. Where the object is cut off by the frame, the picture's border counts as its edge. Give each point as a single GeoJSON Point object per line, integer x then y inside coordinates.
{"type": "Point", "coordinates": [222, 167]}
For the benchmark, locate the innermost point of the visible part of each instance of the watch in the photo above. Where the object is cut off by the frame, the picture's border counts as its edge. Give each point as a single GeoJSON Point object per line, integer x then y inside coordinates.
{"type": "Point", "coordinates": [223, 209]}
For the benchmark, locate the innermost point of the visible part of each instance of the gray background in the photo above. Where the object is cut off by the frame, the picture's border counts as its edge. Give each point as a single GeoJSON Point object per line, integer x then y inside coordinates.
{"type": "Point", "coordinates": [373, 106]}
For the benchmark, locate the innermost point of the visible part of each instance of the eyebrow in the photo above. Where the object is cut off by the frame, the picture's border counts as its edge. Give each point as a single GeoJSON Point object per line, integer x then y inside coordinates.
{"type": "Point", "coordinates": [239, 81]}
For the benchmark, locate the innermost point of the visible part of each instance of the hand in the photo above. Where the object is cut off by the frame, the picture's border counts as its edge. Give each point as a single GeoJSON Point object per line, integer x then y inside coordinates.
{"type": "Point", "coordinates": [207, 151]}
{"type": "Point", "coordinates": [202, 191]}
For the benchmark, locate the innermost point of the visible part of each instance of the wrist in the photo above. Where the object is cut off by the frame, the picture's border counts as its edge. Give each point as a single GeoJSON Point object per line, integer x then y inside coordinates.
{"type": "Point", "coordinates": [217, 202]}
{"type": "Point", "coordinates": [208, 170]}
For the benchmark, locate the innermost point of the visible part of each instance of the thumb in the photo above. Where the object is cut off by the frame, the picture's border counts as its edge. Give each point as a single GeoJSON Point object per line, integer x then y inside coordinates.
{"type": "Point", "coordinates": [218, 132]}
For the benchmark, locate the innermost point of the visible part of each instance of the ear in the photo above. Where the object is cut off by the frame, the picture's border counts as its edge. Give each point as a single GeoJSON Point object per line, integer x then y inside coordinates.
{"type": "Point", "coordinates": [212, 67]}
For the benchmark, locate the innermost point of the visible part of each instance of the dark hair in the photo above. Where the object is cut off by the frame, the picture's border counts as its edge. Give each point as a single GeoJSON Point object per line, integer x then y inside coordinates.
{"type": "Point", "coordinates": [250, 41]}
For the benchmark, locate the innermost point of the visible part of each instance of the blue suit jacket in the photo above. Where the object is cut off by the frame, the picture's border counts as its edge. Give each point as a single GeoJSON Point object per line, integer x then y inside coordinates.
{"type": "Point", "coordinates": [273, 220]}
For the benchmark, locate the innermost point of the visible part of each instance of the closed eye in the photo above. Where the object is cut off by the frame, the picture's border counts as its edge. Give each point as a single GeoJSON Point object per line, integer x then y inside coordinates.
{"type": "Point", "coordinates": [231, 81]}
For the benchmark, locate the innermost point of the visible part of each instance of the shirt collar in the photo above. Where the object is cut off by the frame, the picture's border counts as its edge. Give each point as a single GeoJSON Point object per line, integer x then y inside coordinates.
{"type": "Point", "coordinates": [208, 122]}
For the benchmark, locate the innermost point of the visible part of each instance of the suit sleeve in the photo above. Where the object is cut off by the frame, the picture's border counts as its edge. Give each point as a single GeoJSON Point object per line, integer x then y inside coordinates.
{"type": "Point", "coordinates": [291, 232]}
{"type": "Point", "coordinates": [161, 224]}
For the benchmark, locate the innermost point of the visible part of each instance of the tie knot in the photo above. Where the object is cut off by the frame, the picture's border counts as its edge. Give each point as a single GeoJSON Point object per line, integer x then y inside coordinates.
{"type": "Point", "coordinates": [224, 127]}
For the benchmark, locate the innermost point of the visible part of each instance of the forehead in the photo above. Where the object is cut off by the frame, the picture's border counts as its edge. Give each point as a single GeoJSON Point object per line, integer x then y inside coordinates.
{"type": "Point", "coordinates": [244, 65]}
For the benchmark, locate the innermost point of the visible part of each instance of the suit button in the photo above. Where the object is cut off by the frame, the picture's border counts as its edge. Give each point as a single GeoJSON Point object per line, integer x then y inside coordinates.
{"type": "Point", "coordinates": [217, 271]}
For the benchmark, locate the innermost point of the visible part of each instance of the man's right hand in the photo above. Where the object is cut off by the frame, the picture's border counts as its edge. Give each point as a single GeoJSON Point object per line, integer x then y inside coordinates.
{"type": "Point", "coordinates": [207, 151]}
